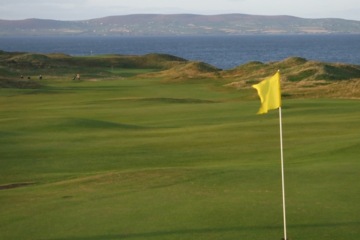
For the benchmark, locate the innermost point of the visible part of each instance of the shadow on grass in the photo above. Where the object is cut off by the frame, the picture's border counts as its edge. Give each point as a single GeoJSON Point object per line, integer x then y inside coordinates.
{"type": "Point", "coordinates": [164, 100]}
{"type": "Point", "coordinates": [81, 123]}
{"type": "Point", "coordinates": [158, 234]}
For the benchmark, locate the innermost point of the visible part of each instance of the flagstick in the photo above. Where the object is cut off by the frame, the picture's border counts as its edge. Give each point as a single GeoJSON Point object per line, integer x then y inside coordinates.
{"type": "Point", "coordinates": [282, 173]}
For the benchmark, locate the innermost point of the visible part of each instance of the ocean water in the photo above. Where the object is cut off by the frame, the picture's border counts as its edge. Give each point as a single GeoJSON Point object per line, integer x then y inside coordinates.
{"type": "Point", "coordinates": [221, 51]}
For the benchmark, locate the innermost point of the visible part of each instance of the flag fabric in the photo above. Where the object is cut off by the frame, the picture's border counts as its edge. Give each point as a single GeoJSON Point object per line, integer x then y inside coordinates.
{"type": "Point", "coordinates": [269, 93]}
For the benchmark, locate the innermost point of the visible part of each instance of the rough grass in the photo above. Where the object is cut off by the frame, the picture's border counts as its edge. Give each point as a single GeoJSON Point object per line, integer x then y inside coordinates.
{"type": "Point", "coordinates": [301, 78]}
{"type": "Point", "coordinates": [294, 69]}
{"type": "Point", "coordinates": [143, 159]}
{"type": "Point", "coordinates": [102, 66]}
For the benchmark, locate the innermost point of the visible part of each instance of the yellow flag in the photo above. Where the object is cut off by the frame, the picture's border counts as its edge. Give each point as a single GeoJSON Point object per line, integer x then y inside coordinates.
{"type": "Point", "coordinates": [269, 93]}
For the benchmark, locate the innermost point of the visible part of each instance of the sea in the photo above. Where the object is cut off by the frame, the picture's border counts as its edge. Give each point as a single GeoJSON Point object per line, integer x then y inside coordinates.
{"type": "Point", "coordinates": [224, 52]}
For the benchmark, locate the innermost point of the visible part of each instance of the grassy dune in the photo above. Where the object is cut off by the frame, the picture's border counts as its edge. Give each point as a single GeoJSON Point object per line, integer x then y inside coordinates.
{"type": "Point", "coordinates": [138, 158]}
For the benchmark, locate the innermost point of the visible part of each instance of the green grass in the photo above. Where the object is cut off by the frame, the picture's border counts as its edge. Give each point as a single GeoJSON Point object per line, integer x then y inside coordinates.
{"type": "Point", "coordinates": [142, 159]}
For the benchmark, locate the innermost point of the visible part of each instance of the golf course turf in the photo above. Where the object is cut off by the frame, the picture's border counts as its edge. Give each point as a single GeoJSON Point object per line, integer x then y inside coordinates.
{"type": "Point", "coordinates": [143, 158]}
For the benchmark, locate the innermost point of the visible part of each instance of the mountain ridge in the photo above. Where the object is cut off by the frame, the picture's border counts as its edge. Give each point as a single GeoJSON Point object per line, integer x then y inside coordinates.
{"type": "Point", "coordinates": [179, 24]}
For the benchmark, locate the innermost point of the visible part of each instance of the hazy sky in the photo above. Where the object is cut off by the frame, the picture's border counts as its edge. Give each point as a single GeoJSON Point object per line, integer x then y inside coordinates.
{"type": "Point", "coordinates": [88, 9]}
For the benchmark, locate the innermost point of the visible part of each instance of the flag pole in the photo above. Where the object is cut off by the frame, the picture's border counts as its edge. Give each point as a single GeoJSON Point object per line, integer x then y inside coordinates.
{"type": "Point", "coordinates": [270, 96]}
{"type": "Point", "coordinates": [282, 173]}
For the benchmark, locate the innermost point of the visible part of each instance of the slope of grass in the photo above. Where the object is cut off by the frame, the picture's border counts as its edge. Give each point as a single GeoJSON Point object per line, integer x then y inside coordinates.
{"type": "Point", "coordinates": [301, 78]}
{"type": "Point", "coordinates": [296, 69]}
{"type": "Point", "coordinates": [141, 159]}
{"type": "Point", "coordinates": [57, 64]}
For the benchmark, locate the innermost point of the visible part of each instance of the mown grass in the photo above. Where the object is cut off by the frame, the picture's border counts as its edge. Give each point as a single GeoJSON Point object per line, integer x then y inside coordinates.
{"type": "Point", "coordinates": [144, 159]}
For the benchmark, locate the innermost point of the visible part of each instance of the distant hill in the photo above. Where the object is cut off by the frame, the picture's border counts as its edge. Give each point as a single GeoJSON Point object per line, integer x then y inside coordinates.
{"type": "Point", "coordinates": [178, 24]}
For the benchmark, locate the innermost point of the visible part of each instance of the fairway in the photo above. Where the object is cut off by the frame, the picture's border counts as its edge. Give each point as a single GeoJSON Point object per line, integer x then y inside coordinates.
{"type": "Point", "coordinates": [143, 159]}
